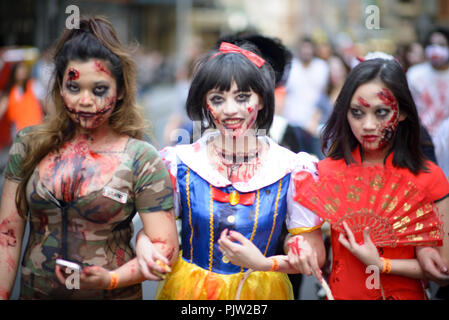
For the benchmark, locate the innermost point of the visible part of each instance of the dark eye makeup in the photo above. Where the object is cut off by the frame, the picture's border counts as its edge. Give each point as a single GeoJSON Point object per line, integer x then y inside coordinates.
{"type": "Point", "coordinates": [99, 90]}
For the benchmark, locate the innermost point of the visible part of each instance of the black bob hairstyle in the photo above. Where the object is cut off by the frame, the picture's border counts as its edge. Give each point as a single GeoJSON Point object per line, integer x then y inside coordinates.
{"type": "Point", "coordinates": [407, 140]}
{"type": "Point", "coordinates": [272, 49]}
{"type": "Point", "coordinates": [218, 72]}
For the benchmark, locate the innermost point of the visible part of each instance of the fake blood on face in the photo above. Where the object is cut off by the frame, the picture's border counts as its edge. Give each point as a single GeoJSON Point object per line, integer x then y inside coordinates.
{"type": "Point", "coordinates": [73, 74]}
{"type": "Point", "coordinates": [99, 65]}
{"type": "Point", "coordinates": [388, 129]}
{"type": "Point", "coordinates": [363, 102]}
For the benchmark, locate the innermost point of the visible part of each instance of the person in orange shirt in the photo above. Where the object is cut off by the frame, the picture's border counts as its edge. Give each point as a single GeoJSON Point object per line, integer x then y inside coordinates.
{"type": "Point", "coordinates": [24, 108]}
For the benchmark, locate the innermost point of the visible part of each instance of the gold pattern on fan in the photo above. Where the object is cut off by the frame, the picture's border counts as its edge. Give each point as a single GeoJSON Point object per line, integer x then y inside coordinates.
{"type": "Point", "coordinates": [419, 226]}
{"type": "Point", "coordinates": [407, 207]}
{"type": "Point", "coordinates": [332, 205]}
{"type": "Point", "coordinates": [402, 224]}
{"type": "Point", "coordinates": [415, 237]}
{"type": "Point", "coordinates": [419, 212]}
{"type": "Point", "coordinates": [352, 196]}
{"type": "Point", "coordinates": [427, 209]}
{"type": "Point", "coordinates": [377, 183]}
{"type": "Point", "coordinates": [390, 204]}
{"type": "Point", "coordinates": [435, 234]}
{"type": "Point", "coordinates": [355, 194]}
{"type": "Point", "coordinates": [411, 190]}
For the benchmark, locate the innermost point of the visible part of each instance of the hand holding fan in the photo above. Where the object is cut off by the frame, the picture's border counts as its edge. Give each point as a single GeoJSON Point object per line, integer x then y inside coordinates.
{"type": "Point", "coordinates": [395, 209]}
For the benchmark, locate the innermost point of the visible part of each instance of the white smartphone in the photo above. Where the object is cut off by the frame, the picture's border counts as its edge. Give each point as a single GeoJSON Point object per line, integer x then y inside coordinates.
{"type": "Point", "coordinates": [68, 264]}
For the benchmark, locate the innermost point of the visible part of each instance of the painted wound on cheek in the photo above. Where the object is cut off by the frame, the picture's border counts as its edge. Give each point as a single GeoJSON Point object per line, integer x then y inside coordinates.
{"type": "Point", "coordinates": [212, 112]}
{"type": "Point", "coordinates": [388, 129]}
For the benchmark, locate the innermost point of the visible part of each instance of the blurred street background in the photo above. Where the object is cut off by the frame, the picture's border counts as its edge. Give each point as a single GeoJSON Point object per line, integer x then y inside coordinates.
{"type": "Point", "coordinates": [166, 36]}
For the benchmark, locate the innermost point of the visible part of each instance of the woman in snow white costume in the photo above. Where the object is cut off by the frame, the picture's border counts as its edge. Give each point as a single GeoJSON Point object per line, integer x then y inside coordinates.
{"type": "Point", "coordinates": [233, 190]}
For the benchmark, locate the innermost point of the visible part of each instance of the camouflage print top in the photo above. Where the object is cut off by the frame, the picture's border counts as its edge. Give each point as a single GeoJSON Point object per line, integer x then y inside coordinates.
{"type": "Point", "coordinates": [94, 229]}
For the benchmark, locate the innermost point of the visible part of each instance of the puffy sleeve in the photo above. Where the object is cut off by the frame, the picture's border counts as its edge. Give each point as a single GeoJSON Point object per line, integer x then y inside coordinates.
{"type": "Point", "coordinates": [152, 186]}
{"type": "Point", "coordinates": [435, 182]}
{"type": "Point", "coordinates": [16, 155]}
{"type": "Point", "coordinates": [170, 159]}
{"type": "Point", "coordinates": [300, 219]}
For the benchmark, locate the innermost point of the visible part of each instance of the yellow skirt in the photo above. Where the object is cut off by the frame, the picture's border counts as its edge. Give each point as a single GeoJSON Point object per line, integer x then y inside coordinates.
{"type": "Point", "coordinates": [187, 281]}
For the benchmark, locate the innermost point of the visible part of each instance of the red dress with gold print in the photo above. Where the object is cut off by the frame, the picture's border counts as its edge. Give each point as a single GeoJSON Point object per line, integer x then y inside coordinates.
{"type": "Point", "coordinates": [349, 278]}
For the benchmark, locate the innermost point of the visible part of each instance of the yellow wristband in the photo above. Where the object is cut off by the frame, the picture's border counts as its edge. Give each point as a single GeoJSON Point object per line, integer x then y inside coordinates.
{"type": "Point", "coordinates": [275, 265]}
{"type": "Point", "coordinates": [114, 280]}
{"type": "Point", "coordinates": [386, 268]}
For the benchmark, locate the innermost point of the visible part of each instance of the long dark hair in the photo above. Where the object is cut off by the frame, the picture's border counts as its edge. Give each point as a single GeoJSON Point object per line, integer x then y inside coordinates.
{"type": "Point", "coordinates": [220, 71]}
{"type": "Point", "coordinates": [406, 145]}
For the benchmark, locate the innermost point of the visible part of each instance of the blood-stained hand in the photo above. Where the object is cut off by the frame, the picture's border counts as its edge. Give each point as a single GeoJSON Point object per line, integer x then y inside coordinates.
{"type": "Point", "coordinates": [302, 257]}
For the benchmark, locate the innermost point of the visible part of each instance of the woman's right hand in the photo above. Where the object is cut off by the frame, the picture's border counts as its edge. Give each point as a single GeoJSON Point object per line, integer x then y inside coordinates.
{"type": "Point", "coordinates": [302, 257]}
{"type": "Point", "coordinates": [433, 265]}
{"type": "Point", "coordinates": [149, 258]}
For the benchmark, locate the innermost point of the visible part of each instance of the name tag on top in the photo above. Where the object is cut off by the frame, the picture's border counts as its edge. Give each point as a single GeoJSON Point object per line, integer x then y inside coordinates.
{"type": "Point", "coordinates": [115, 195]}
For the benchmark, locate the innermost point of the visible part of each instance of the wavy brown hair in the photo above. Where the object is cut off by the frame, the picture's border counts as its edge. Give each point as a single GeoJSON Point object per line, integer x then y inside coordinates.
{"type": "Point", "coordinates": [96, 38]}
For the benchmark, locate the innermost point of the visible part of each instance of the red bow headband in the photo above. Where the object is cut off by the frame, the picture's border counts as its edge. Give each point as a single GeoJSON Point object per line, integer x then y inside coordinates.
{"type": "Point", "coordinates": [226, 47]}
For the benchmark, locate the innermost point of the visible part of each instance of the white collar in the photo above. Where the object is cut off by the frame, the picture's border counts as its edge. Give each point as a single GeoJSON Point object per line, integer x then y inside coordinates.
{"type": "Point", "coordinates": [278, 163]}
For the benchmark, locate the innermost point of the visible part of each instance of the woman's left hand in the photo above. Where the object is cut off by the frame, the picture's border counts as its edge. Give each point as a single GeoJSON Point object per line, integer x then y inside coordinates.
{"type": "Point", "coordinates": [93, 277]}
{"type": "Point", "coordinates": [366, 252]}
{"type": "Point", "coordinates": [244, 253]}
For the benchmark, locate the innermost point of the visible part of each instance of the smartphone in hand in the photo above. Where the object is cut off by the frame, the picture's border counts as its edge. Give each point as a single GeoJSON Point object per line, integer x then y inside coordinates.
{"type": "Point", "coordinates": [68, 264]}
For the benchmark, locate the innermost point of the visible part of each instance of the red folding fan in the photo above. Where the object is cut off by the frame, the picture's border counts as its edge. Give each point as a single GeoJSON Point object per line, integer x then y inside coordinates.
{"type": "Point", "coordinates": [395, 209]}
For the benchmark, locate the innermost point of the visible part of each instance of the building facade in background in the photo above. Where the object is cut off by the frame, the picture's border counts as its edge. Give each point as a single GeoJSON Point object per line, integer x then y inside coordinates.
{"type": "Point", "coordinates": [175, 28]}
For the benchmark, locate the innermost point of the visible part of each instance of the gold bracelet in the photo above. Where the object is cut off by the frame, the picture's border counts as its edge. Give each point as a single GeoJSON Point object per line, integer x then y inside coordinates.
{"type": "Point", "coordinates": [386, 268]}
{"type": "Point", "coordinates": [114, 280]}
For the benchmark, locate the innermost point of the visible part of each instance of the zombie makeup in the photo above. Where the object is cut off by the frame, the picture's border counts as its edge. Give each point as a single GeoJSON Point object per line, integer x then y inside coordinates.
{"type": "Point", "coordinates": [73, 74]}
{"type": "Point", "coordinates": [389, 127]}
{"type": "Point", "coordinates": [77, 170]}
{"type": "Point", "coordinates": [89, 93]}
{"type": "Point", "coordinates": [293, 244]}
{"type": "Point", "coordinates": [374, 116]}
{"type": "Point", "coordinates": [363, 102]}
{"type": "Point", "coordinates": [234, 112]}
{"type": "Point", "coordinates": [100, 67]}
{"type": "Point", "coordinates": [7, 236]}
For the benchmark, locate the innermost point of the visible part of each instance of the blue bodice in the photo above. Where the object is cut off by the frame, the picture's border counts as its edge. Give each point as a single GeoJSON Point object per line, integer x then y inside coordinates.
{"type": "Point", "coordinates": [203, 219]}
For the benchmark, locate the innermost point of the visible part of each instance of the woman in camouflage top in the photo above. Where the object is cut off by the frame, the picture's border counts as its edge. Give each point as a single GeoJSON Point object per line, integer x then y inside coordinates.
{"type": "Point", "coordinates": [82, 176]}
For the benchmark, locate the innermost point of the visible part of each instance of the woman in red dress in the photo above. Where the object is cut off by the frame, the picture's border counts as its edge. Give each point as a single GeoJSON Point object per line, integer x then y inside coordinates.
{"type": "Point", "coordinates": [375, 123]}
